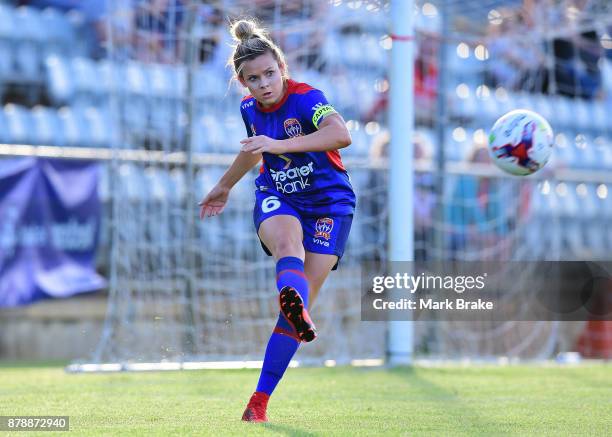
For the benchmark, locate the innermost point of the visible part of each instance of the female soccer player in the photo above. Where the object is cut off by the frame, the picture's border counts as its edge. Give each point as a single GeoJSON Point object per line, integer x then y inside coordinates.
{"type": "Point", "coordinates": [304, 201]}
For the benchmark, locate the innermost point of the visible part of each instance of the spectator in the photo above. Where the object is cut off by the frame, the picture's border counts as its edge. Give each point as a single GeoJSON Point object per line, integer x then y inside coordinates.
{"type": "Point", "coordinates": [515, 62]}
{"type": "Point", "coordinates": [157, 24]}
{"type": "Point", "coordinates": [475, 212]}
{"type": "Point", "coordinates": [424, 192]}
{"type": "Point", "coordinates": [93, 26]}
{"type": "Point", "coordinates": [425, 85]}
{"type": "Point", "coordinates": [576, 70]}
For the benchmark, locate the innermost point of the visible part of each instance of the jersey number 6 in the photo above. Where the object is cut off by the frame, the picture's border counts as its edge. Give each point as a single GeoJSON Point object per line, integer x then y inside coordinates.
{"type": "Point", "coordinates": [270, 204]}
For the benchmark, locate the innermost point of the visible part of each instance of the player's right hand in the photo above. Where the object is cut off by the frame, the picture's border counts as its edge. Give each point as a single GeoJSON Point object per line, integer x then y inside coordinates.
{"type": "Point", "coordinates": [214, 202]}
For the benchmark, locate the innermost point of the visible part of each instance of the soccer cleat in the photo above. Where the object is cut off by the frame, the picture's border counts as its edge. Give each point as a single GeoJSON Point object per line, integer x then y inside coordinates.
{"type": "Point", "coordinates": [256, 408]}
{"type": "Point", "coordinates": [292, 308]}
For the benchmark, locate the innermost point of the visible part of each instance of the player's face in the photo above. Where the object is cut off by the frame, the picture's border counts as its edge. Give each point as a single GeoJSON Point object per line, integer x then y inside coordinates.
{"type": "Point", "coordinates": [263, 76]}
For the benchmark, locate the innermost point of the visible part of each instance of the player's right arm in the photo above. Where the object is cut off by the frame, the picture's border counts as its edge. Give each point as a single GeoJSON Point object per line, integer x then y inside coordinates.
{"type": "Point", "coordinates": [214, 202]}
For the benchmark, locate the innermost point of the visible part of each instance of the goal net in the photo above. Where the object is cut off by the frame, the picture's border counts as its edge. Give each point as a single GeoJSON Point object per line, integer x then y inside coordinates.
{"type": "Point", "coordinates": [182, 290]}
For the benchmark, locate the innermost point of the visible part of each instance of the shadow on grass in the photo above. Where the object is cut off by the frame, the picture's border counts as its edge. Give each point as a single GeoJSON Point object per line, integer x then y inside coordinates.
{"type": "Point", "coordinates": [288, 430]}
{"type": "Point", "coordinates": [33, 364]}
{"type": "Point", "coordinates": [445, 398]}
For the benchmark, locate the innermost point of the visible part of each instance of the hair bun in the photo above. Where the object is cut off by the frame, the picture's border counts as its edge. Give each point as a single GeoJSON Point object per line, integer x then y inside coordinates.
{"type": "Point", "coordinates": [244, 29]}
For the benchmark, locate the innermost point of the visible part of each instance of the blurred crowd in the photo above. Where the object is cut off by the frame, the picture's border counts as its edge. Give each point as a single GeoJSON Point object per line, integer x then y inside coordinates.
{"type": "Point", "coordinates": [545, 46]}
{"type": "Point", "coordinates": [548, 47]}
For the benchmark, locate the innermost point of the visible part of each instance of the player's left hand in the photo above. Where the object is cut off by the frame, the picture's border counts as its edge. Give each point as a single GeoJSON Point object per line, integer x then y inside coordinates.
{"type": "Point", "coordinates": [262, 143]}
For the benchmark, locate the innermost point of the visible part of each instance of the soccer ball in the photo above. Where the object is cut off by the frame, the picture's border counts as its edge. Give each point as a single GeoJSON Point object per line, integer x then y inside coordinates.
{"type": "Point", "coordinates": [520, 142]}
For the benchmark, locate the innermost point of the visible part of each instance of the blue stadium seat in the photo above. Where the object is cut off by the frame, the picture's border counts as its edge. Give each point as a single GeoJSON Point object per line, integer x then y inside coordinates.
{"type": "Point", "coordinates": [30, 24]}
{"type": "Point", "coordinates": [457, 150]}
{"type": "Point", "coordinates": [31, 37]}
{"type": "Point", "coordinates": [110, 120]}
{"type": "Point", "coordinates": [601, 116]}
{"type": "Point", "coordinates": [544, 204]}
{"type": "Point", "coordinates": [7, 36]}
{"type": "Point", "coordinates": [331, 50]}
{"type": "Point", "coordinates": [136, 79]}
{"type": "Point", "coordinates": [543, 106]}
{"type": "Point", "coordinates": [4, 133]}
{"type": "Point", "coordinates": [7, 22]}
{"type": "Point", "coordinates": [167, 89]}
{"type": "Point", "coordinates": [158, 212]}
{"type": "Point", "coordinates": [488, 110]}
{"type": "Point", "coordinates": [97, 128]}
{"type": "Point", "coordinates": [345, 99]}
{"type": "Point", "coordinates": [86, 79]}
{"type": "Point", "coordinates": [209, 134]}
{"type": "Point", "coordinates": [160, 81]}
{"type": "Point", "coordinates": [234, 132]}
{"type": "Point", "coordinates": [585, 148]}
{"type": "Point", "coordinates": [365, 93]}
{"type": "Point", "coordinates": [468, 70]}
{"type": "Point", "coordinates": [591, 205]}
{"type": "Point", "coordinates": [28, 63]}
{"type": "Point", "coordinates": [360, 145]}
{"type": "Point", "coordinates": [581, 116]}
{"type": "Point", "coordinates": [352, 51]}
{"type": "Point", "coordinates": [243, 190]}
{"type": "Point", "coordinates": [375, 56]}
{"type": "Point", "coordinates": [20, 125]}
{"type": "Point", "coordinates": [525, 101]}
{"type": "Point", "coordinates": [467, 107]}
{"type": "Point", "coordinates": [163, 118]}
{"type": "Point", "coordinates": [178, 75]}
{"type": "Point", "coordinates": [573, 238]}
{"type": "Point", "coordinates": [534, 241]}
{"type": "Point", "coordinates": [59, 31]}
{"type": "Point", "coordinates": [597, 246]}
{"type": "Point", "coordinates": [208, 84]}
{"type": "Point", "coordinates": [47, 126]}
{"type": "Point", "coordinates": [605, 205]}
{"type": "Point", "coordinates": [166, 81]}
{"type": "Point", "coordinates": [177, 185]}
{"type": "Point", "coordinates": [59, 79]}
{"type": "Point", "coordinates": [603, 150]}
{"type": "Point", "coordinates": [132, 182]}
{"type": "Point", "coordinates": [211, 231]}
{"type": "Point", "coordinates": [104, 182]}
{"type": "Point", "coordinates": [73, 126]}
{"type": "Point", "coordinates": [563, 112]}
{"type": "Point", "coordinates": [569, 202]}
{"type": "Point", "coordinates": [135, 114]}
{"type": "Point", "coordinates": [110, 76]}
{"type": "Point", "coordinates": [565, 154]}
{"type": "Point", "coordinates": [157, 183]}
{"type": "Point", "coordinates": [6, 62]}
{"type": "Point", "coordinates": [509, 103]}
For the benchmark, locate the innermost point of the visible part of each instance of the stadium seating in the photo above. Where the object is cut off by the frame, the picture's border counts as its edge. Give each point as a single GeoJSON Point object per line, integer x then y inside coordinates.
{"type": "Point", "coordinates": [38, 47]}
{"type": "Point", "coordinates": [19, 124]}
{"type": "Point", "coordinates": [47, 126]}
{"type": "Point", "coordinates": [73, 126]}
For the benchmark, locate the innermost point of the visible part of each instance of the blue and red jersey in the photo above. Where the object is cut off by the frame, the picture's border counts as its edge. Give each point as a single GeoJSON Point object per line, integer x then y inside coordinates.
{"type": "Point", "coordinates": [316, 181]}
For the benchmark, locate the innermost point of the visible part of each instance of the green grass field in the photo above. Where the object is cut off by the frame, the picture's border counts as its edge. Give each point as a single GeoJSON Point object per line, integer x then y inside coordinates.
{"type": "Point", "coordinates": [512, 400]}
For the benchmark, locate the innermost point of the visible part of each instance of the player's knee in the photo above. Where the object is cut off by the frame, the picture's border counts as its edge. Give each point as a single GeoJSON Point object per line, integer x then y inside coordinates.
{"type": "Point", "coordinates": [288, 246]}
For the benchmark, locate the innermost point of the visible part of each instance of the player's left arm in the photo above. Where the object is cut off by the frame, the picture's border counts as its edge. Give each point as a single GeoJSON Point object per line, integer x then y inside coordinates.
{"type": "Point", "coordinates": [327, 127]}
{"type": "Point", "coordinates": [331, 135]}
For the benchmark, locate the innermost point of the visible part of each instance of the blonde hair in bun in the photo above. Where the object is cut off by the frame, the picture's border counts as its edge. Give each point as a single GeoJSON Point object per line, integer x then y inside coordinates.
{"type": "Point", "coordinates": [243, 30]}
{"type": "Point", "coordinates": [252, 41]}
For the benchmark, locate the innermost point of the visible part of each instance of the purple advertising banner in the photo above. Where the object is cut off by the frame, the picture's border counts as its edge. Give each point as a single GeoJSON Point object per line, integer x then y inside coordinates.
{"type": "Point", "coordinates": [49, 228]}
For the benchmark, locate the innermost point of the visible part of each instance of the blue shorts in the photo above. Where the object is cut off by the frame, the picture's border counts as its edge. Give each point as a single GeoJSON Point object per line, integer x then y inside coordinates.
{"type": "Point", "coordinates": [325, 234]}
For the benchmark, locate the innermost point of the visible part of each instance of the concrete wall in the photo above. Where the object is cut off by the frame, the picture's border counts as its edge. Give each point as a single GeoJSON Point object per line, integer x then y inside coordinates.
{"type": "Point", "coordinates": [62, 329]}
